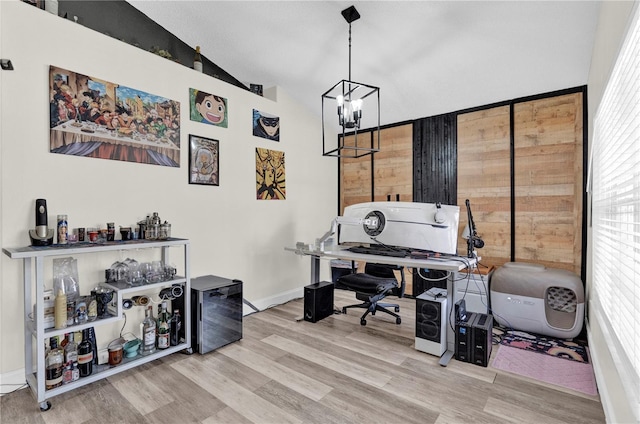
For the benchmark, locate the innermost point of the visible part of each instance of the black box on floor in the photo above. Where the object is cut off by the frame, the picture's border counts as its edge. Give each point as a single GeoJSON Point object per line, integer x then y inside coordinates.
{"type": "Point", "coordinates": [464, 338]}
{"type": "Point", "coordinates": [318, 301]}
{"type": "Point", "coordinates": [482, 338]}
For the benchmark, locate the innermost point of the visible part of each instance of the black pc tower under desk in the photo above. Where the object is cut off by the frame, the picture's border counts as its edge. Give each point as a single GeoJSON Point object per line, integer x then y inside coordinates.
{"type": "Point", "coordinates": [216, 312]}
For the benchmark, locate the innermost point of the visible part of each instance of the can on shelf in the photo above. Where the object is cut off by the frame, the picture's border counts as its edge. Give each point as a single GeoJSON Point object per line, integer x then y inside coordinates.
{"type": "Point", "coordinates": [62, 229]}
{"type": "Point", "coordinates": [111, 231]}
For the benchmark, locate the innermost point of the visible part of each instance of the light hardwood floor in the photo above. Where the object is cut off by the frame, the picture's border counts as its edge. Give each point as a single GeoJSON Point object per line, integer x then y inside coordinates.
{"type": "Point", "coordinates": [333, 371]}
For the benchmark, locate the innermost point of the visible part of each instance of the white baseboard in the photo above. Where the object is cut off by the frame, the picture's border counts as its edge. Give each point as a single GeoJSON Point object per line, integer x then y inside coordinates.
{"type": "Point", "coordinates": [11, 381]}
{"type": "Point", "coordinates": [268, 302]}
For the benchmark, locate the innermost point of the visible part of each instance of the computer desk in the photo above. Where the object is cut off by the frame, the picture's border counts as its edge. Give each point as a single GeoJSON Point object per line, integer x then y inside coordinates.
{"type": "Point", "coordinates": [444, 264]}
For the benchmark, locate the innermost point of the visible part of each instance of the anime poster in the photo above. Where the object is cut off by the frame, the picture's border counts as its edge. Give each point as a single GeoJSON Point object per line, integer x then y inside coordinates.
{"type": "Point", "coordinates": [204, 161]}
{"type": "Point", "coordinates": [207, 108]}
{"type": "Point", "coordinates": [270, 175]}
{"type": "Point", "coordinates": [95, 118]}
{"type": "Point", "coordinates": [266, 126]}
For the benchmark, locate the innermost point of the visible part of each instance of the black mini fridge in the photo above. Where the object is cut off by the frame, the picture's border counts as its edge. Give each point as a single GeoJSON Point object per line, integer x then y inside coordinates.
{"type": "Point", "coordinates": [216, 312]}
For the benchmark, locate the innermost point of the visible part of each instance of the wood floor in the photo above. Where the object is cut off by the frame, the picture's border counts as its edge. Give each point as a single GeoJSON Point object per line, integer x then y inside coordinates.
{"type": "Point", "coordinates": [290, 371]}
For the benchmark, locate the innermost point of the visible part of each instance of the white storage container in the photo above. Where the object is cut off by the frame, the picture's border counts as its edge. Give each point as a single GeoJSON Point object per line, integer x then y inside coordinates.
{"type": "Point", "coordinates": [534, 298]}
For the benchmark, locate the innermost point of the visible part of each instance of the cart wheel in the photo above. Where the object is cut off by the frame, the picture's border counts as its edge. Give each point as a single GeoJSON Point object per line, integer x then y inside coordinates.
{"type": "Point", "coordinates": [45, 406]}
{"type": "Point", "coordinates": [188, 351]}
{"type": "Point", "coordinates": [363, 322]}
{"type": "Point", "coordinates": [398, 320]}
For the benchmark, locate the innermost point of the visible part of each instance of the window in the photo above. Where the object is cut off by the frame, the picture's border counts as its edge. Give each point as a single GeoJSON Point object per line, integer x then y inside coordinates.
{"type": "Point", "coordinates": [616, 210]}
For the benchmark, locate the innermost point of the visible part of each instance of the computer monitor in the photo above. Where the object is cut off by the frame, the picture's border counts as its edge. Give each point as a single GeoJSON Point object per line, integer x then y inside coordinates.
{"type": "Point", "coordinates": [413, 225]}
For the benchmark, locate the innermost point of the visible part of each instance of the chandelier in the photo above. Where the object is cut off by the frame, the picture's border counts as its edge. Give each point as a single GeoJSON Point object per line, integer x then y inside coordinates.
{"type": "Point", "coordinates": [357, 106]}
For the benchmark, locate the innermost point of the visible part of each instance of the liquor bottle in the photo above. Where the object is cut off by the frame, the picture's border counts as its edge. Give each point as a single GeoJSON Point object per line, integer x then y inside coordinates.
{"type": "Point", "coordinates": [70, 351]}
{"type": "Point", "coordinates": [85, 355]}
{"type": "Point", "coordinates": [176, 325]}
{"type": "Point", "coordinates": [148, 332]}
{"type": "Point", "coordinates": [94, 345]}
{"type": "Point", "coordinates": [163, 327]}
{"type": "Point", "coordinates": [197, 60]}
{"type": "Point", "coordinates": [54, 365]}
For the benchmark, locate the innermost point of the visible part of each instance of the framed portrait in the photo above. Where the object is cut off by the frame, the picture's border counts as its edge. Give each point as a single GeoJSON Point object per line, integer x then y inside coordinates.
{"type": "Point", "coordinates": [203, 161]}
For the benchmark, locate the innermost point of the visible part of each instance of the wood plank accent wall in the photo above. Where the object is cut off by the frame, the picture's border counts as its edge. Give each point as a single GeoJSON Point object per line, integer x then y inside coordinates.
{"type": "Point", "coordinates": [435, 162]}
{"type": "Point", "coordinates": [483, 177]}
{"type": "Point", "coordinates": [521, 166]}
{"type": "Point", "coordinates": [355, 177]}
{"type": "Point", "coordinates": [548, 169]}
{"type": "Point", "coordinates": [393, 165]}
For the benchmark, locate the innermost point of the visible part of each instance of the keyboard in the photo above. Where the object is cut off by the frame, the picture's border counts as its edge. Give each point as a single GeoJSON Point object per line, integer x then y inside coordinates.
{"type": "Point", "coordinates": [379, 250]}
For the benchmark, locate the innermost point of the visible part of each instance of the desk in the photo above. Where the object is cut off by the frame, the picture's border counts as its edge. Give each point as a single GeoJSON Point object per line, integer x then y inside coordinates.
{"type": "Point", "coordinates": [443, 264]}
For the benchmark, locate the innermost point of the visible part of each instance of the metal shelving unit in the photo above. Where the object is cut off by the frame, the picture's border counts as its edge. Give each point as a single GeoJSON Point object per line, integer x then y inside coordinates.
{"type": "Point", "coordinates": [34, 330]}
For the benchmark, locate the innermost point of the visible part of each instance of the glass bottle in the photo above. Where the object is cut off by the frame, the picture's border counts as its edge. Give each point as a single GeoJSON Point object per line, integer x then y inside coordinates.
{"type": "Point", "coordinates": [163, 328]}
{"type": "Point", "coordinates": [148, 332]}
{"type": "Point", "coordinates": [75, 372]}
{"type": "Point", "coordinates": [94, 344]}
{"type": "Point", "coordinates": [54, 364]}
{"type": "Point", "coordinates": [85, 355]}
{"type": "Point", "coordinates": [176, 325]}
{"type": "Point", "coordinates": [67, 374]}
{"type": "Point", "coordinates": [197, 60]}
{"type": "Point", "coordinates": [70, 351]}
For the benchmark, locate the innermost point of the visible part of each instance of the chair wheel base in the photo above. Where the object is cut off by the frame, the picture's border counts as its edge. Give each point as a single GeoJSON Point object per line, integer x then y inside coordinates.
{"type": "Point", "coordinates": [398, 320]}
{"type": "Point", "coordinates": [397, 309]}
{"type": "Point", "coordinates": [344, 310]}
{"type": "Point", "coordinates": [363, 322]}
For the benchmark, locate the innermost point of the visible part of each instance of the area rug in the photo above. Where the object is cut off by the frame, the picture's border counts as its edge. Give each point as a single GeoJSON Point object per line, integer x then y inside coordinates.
{"type": "Point", "coordinates": [547, 345]}
{"type": "Point", "coordinates": [557, 371]}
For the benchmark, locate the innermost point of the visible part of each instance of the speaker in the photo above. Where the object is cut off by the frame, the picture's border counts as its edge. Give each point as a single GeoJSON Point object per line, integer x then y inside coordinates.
{"type": "Point", "coordinates": [431, 324]}
{"type": "Point", "coordinates": [464, 337]}
{"type": "Point", "coordinates": [318, 301]}
{"type": "Point", "coordinates": [482, 337]}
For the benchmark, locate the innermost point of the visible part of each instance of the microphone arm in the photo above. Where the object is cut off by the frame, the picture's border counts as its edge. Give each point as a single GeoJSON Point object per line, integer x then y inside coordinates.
{"type": "Point", "coordinates": [474, 241]}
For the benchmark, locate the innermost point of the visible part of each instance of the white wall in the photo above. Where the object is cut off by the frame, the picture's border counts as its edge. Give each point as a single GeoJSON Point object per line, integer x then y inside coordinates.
{"type": "Point", "coordinates": [232, 234]}
{"type": "Point", "coordinates": [612, 26]}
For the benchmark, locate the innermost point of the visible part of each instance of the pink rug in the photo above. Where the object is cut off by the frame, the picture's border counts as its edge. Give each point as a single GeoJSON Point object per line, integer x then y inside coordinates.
{"type": "Point", "coordinates": [570, 374]}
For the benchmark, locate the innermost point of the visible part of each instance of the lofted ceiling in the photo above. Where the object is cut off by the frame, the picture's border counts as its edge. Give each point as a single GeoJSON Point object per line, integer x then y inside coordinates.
{"type": "Point", "coordinates": [427, 57]}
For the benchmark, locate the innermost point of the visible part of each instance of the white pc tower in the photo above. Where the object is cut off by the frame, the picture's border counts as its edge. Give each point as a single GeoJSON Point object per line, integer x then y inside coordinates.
{"type": "Point", "coordinates": [431, 322]}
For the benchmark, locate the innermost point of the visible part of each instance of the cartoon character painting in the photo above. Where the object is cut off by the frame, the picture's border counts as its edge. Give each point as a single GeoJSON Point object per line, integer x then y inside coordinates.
{"type": "Point", "coordinates": [270, 175]}
{"type": "Point", "coordinates": [203, 161]}
{"type": "Point", "coordinates": [93, 117]}
{"type": "Point", "coordinates": [266, 125]}
{"type": "Point", "coordinates": [207, 108]}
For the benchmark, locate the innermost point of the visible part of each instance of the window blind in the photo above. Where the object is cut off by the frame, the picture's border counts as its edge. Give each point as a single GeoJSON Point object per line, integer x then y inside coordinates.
{"type": "Point", "coordinates": [616, 210]}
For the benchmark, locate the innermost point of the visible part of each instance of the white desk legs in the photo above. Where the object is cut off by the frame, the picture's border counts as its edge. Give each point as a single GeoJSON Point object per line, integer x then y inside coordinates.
{"type": "Point", "coordinates": [446, 357]}
{"type": "Point", "coordinates": [315, 269]}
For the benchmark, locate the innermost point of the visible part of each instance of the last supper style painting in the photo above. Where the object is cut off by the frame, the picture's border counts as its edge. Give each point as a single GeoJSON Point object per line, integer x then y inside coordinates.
{"type": "Point", "coordinates": [95, 118]}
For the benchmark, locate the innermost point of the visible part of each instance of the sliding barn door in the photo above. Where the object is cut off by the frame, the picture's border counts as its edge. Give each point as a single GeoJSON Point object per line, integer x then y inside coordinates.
{"type": "Point", "coordinates": [484, 178]}
{"type": "Point", "coordinates": [355, 176]}
{"type": "Point", "coordinates": [521, 167]}
{"type": "Point", "coordinates": [548, 169]}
